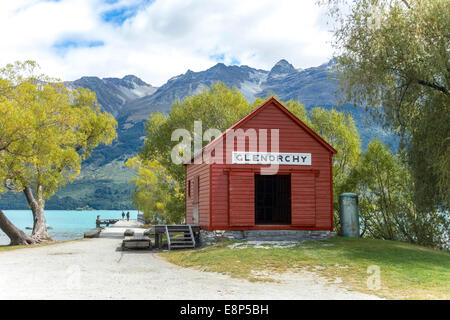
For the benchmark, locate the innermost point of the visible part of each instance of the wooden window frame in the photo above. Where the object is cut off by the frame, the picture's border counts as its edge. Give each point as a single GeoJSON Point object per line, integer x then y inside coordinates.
{"type": "Point", "coordinates": [189, 188]}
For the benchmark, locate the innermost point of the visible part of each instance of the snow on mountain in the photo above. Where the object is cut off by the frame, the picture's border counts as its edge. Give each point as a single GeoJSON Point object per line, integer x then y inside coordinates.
{"type": "Point", "coordinates": [114, 93]}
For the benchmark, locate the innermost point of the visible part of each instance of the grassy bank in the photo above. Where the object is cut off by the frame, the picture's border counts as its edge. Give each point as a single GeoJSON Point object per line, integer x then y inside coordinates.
{"type": "Point", "coordinates": [406, 271]}
{"type": "Point", "coordinates": [4, 248]}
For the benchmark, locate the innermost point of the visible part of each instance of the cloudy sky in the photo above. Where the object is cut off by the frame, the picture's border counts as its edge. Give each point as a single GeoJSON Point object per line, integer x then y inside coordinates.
{"type": "Point", "coordinates": [158, 39]}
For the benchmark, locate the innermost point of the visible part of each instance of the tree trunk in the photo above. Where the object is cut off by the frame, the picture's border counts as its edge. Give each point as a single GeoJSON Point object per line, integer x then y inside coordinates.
{"type": "Point", "coordinates": [40, 225]}
{"type": "Point", "coordinates": [37, 207]}
{"type": "Point", "coordinates": [17, 236]}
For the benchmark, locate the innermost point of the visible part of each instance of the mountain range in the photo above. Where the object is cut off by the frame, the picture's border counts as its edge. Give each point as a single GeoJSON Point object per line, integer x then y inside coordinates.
{"type": "Point", "coordinates": [104, 180]}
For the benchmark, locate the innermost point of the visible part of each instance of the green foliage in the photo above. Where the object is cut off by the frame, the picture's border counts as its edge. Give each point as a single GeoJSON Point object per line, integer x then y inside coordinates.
{"type": "Point", "coordinates": [217, 107]}
{"type": "Point", "coordinates": [46, 130]}
{"type": "Point", "coordinates": [386, 204]}
{"type": "Point", "coordinates": [339, 130]}
{"type": "Point", "coordinates": [393, 58]}
{"type": "Point", "coordinates": [160, 183]}
{"type": "Point", "coordinates": [157, 194]}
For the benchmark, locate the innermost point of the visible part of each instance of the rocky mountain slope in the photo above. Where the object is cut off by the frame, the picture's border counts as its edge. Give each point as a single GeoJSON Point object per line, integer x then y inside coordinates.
{"type": "Point", "coordinates": [178, 87]}
{"type": "Point", "coordinates": [311, 86]}
{"type": "Point", "coordinates": [114, 93]}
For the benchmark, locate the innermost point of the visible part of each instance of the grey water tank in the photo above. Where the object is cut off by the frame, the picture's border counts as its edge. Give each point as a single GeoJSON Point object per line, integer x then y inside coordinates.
{"type": "Point", "coordinates": [349, 215]}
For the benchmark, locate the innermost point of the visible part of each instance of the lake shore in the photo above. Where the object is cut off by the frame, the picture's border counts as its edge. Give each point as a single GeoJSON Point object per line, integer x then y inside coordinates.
{"type": "Point", "coordinates": [65, 224]}
{"type": "Point", "coordinates": [97, 269]}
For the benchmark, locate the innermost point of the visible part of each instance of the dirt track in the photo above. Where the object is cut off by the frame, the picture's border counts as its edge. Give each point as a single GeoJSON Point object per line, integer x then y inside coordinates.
{"type": "Point", "coordinates": [95, 269]}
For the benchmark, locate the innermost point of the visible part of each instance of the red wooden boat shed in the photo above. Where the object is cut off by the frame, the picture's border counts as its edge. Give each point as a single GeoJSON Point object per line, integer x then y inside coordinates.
{"type": "Point", "coordinates": [237, 195]}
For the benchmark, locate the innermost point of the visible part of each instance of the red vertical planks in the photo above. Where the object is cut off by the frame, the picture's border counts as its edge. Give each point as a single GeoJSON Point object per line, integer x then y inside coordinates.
{"type": "Point", "coordinates": [242, 199]}
{"type": "Point", "coordinates": [303, 195]}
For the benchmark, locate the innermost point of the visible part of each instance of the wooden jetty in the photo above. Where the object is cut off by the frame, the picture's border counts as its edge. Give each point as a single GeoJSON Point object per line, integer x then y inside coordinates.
{"type": "Point", "coordinates": [104, 222]}
{"type": "Point", "coordinates": [180, 236]}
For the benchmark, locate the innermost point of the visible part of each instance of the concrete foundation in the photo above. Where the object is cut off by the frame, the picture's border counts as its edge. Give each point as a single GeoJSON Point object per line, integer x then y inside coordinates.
{"type": "Point", "coordinates": [211, 237]}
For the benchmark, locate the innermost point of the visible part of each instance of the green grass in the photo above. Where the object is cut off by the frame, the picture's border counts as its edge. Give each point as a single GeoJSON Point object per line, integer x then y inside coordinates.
{"type": "Point", "coordinates": [407, 271]}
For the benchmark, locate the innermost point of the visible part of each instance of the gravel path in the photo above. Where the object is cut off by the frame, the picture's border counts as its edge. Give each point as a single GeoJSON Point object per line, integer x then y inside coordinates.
{"type": "Point", "coordinates": [118, 229]}
{"type": "Point", "coordinates": [95, 269]}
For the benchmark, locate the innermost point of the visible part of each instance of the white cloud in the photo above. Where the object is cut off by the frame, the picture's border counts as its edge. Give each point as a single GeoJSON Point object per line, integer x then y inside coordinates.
{"type": "Point", "coordinates": [164, 38]}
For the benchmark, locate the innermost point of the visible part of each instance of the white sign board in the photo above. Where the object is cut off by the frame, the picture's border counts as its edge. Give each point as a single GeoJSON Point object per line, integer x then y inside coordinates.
{"type": "Point", "coordinates": [301, 159]}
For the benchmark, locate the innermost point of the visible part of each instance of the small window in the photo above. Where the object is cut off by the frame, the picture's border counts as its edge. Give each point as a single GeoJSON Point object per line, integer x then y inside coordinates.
{"type": "Point", "coordinates": [189, 188]}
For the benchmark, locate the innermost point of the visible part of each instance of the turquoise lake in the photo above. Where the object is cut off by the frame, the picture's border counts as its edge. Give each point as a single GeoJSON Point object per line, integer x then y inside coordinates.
{"type": "Point", "coordinates": [65, 224]}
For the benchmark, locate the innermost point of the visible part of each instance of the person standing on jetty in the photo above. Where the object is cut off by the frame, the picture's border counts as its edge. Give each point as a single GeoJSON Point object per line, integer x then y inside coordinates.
{"type": "Point", "coordinates": [128, 216]}
{"type": "Point", "coordinates": [123, 215]}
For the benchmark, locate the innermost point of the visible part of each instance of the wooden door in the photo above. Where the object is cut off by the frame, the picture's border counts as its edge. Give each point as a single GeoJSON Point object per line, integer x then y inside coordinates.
{"type": "Point", "coordinates": [241, 199]}
{"type": "Point", "coordinates": [303, 195]}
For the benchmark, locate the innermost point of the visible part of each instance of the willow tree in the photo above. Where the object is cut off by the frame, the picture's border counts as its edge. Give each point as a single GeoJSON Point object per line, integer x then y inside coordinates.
{"type": "Point", "coordinates": [386, 203]}
{"type": "Point", "coordinates": [161, 180]}
{"type": "Point", "coordinates": [46, 131]}
{"type": "Point", "coordinates": [394, 59]}
{"type": "Point", "coordinates": [339, 130]}
{"type": "Point", "coordinates": [157, 193]}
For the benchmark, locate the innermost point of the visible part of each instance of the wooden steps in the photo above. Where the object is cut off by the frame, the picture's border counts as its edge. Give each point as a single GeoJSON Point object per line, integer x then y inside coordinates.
{"type": "Point", "coordinates": [180, 237]}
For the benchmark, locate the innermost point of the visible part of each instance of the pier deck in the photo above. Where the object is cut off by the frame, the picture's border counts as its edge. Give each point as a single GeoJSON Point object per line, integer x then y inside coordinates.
{"type": "Point", "coordinates": [118, 228]}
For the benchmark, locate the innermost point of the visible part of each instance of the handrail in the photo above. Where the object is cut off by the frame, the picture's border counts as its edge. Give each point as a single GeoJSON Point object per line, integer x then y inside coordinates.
{"type": "Point", "coordinates": [106, 222]}
{"type": "Point", "coordinates": [192, 235]}
{"type": "Point", "coordinates": [168, 237]}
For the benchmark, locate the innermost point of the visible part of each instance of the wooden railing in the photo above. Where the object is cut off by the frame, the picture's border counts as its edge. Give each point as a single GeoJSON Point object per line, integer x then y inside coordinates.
{"type": "Point", "coordinates": [104, 222]}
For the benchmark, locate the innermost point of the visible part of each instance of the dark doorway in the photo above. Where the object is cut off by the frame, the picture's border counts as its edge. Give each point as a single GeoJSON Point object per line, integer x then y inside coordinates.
{"type": "Point", "coordinates": [272, 199]}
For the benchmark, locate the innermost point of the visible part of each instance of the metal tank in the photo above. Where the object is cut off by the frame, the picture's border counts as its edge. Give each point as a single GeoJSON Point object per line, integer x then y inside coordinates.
{"type": "Point", "coordinates": [349, 215]}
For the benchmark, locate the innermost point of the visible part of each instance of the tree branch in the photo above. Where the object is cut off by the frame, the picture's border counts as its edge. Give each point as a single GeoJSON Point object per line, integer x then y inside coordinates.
{"type": "Point", "coordinates": [9, 187]}
{"type": "Point", "coordinates": [433, 85]}
{"type": "Point", "coordinates": [17, 236]}
{"type": "Point", "coordinates": [397, 111]}
{"type": "Point", "coordinates": [30, 197]}
{"type": "Point", "coordinates": [406, 4]}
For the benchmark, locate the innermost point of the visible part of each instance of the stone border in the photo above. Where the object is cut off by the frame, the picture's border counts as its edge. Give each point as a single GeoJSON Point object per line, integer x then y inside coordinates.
{"type": "Point", "coordinates": [212, 237]}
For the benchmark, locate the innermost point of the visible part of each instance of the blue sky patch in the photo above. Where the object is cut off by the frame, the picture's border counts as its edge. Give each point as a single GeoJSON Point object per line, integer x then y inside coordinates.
{"type": "Point", "coordinates": [221, 57]}
{"type": "Point", "coordinates": [218, 57]}
{"type": "Point", "coordinates": [235, 62]}
{"type": "Point", "coordinates": [63, 46]}
{"type": "Point", "coordinates": [119, 15]}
